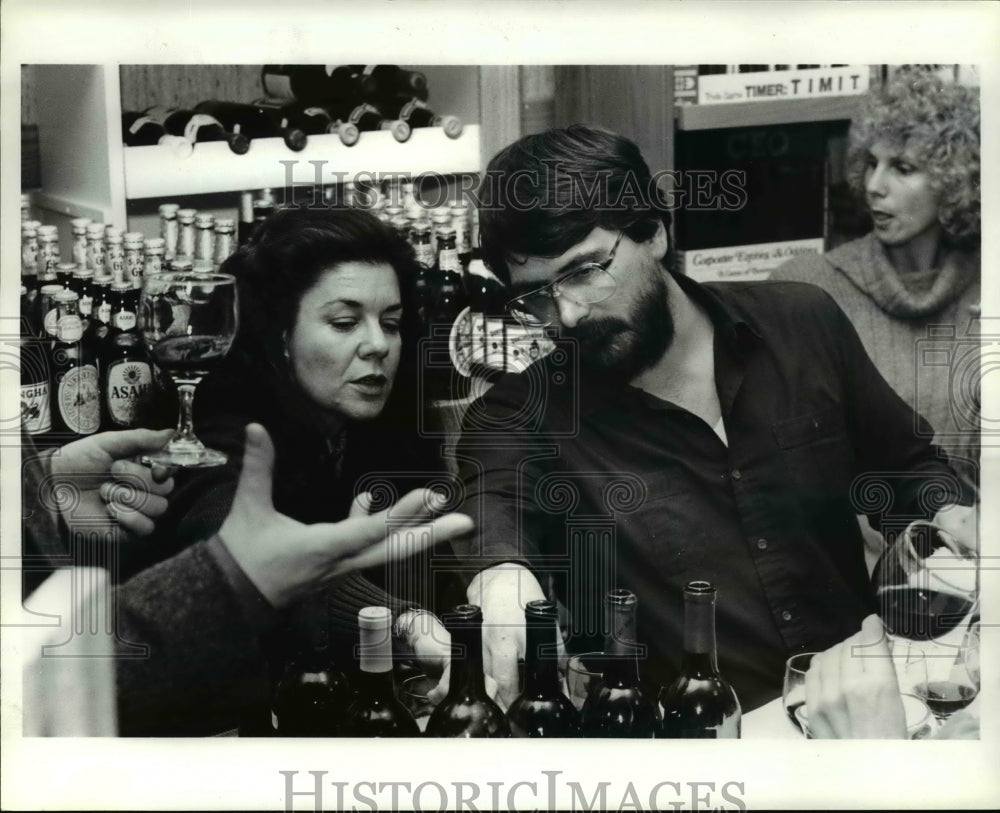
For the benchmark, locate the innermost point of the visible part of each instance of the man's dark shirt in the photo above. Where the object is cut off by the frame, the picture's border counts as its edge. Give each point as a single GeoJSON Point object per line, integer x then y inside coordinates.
{"type": "Point", "coordinates": [596, 487]}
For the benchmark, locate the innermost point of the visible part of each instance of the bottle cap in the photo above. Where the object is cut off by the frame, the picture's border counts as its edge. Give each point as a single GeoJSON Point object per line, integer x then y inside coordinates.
{"type": "Point", "coordinates": [51, 290]}
{"type": "Point", "coordinates": [180, 264]}
{"type": "Point", "coordinates": [95, 231]}
{"type": "Point", "coordinates": [169, 209]}
{"type": "Point", "coordinates": [64, 295]}
{"type": "Point", "coordinates": [699, 590]}
{"type": "Point", "coordinates": [82, 272]}
{"type": "Point", "coordinates": [48, 233]}
{"type": "Point", "coordinates": [104, 279]}
{"type": "Point", "coordinates": [452, 126]}
{"type": "Point", "coordinates": [187, 215]}
{"type": "Point", "coordinates": [204, 221]}
{"type": "Point", "coordinates": [79, 224]}
{"type": "Point", "coordinates": [620, 597]}
{"type": "Point", "coordinates": [121, 287]}
{"type": "Point", "coordinates": [541, 608]}
{"type": "Point", "coordinates": [29, 228]}
{"type": "Point", "coordinates": [133, 239]}
{"type": "Point", "coordinates": [202, 266]}
{"type": "Point", "coordinates": [225, 224]}
{"type": "Point", "coordinates": [374, 618]}
{"type": "Point", "coordinates": [66, 268]}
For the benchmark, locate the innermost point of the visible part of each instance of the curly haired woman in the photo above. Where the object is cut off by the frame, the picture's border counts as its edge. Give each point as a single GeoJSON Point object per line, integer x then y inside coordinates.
{"type": "Point", "coordinates": [913, 282]}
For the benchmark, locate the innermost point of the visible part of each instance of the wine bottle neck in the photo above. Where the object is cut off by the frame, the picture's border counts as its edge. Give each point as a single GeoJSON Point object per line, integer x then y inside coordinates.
{"type": "Point", "coordinates": [699, 637]}
{"type": "Point", "coordinates": [377, 684]}
{"type": "Point", "coordinates": [621, 667]}
{"type": "Point", "coordinates": [541, 675]}
{"type": "Point", "coordinates": [467, 663]}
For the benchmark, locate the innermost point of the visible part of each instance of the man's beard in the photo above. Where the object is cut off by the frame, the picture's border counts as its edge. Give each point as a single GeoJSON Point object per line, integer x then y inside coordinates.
{"type": "Point", "coordinates": [618, 350]}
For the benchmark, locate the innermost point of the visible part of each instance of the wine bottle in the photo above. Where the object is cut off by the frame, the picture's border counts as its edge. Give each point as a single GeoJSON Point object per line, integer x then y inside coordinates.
{"type": "Point", "coordinates": [387, 81]}
{"type": "Point", "coordinates": [308, 84]}
{"type": "Point", "coordinates": [139, 130]}
{"type": "Point", "coordinates": [198, 126]}
{"type": "Point", "coordinates": [376, 711]}
{"type": "Point", "coordinates": [252, 121]}
{"type": "Point", "coordinates": [366, 117]}
{"type": "Point", "coordinates": [542, 709]}
{"type": "Point", "coordinates": [416, 113]}
{"type": "Point", "coordinates": [310, 119]}
{"type": "Point", "coordinates": [620, 708]}
{"type": "Point", "coordinates": [467, 711]}
{"type": "Point", "coordinates": [311, 697]}
{"type": "Point", "coordinates": [700, 703]}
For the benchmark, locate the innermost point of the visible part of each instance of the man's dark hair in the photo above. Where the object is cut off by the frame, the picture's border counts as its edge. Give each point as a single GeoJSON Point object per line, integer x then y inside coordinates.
{"type": "Point", "coordinates": [546, 192]}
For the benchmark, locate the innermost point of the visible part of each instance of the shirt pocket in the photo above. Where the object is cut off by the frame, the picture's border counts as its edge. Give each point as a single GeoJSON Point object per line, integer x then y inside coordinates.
{"type": "Point", "coordinates": [664, 528]}
{"type": "Point", "coordinates": [816, 454]}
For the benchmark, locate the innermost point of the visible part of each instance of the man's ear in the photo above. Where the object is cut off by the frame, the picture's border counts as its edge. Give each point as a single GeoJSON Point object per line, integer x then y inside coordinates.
{"type": "Point", "coordinates": [660, 241]}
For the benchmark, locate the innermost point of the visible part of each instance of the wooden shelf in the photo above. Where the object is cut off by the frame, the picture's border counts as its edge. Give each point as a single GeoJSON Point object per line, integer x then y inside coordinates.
{"type": "Point", "coordinates": [158, 172]}
{"type": "Point", "coordinates": [755, 114]}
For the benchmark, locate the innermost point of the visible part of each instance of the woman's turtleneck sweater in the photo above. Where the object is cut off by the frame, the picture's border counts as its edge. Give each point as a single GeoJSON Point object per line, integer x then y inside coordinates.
{"type": "Point", "coordinates": [921, 329]}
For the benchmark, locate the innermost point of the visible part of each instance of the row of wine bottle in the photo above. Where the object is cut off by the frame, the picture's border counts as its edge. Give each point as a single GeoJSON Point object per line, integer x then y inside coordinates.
{"type": "Point", "coordinates": [315, 700]}
{"type": "Point", "coordinates": [301, 101]}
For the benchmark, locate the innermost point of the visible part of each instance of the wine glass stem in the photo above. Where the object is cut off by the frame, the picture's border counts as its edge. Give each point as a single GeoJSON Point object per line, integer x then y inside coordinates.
{"type": "Point", "coordinates": [185, 421]}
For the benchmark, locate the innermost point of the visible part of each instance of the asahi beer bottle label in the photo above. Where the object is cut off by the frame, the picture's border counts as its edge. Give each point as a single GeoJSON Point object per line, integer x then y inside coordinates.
{"type": "Point", "coordinates": [125, 320]}
{"type": "Point", "coordinates": [104, 311]}
{"type": "Point", "coordinates": [36, 418]}
{"type": "Point", "coordinates": [424, 254]}
{"type": "Point", "coordinates": [86, 305]}
{"type": "Point", "coordinates": [79, 400]}
{"type": "Point", "coordinates": [128, 384]}
{"type": "Point", "coordinates": [448, 260]}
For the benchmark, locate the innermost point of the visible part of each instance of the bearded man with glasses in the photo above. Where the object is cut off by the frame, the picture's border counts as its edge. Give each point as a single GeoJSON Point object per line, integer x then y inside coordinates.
{"type": "Point", "coordinates": [679, 431]}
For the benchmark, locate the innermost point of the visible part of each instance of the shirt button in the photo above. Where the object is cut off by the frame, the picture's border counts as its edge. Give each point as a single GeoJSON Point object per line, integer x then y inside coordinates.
{"type": "Point", "coordinates": [761, 544]}
{"type": "Point", "coordinates": [736, 474]}
{"type": "Point", "coordinates": [786, 616]}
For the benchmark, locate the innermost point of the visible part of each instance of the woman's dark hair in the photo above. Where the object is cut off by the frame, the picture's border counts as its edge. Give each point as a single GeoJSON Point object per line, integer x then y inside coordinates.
{"type": "Point", "coordinates": [283, 259]}
{"type": "Point", "coordinates": [546, 192]}
{"type": "Point", "coordinates": [939, 122]}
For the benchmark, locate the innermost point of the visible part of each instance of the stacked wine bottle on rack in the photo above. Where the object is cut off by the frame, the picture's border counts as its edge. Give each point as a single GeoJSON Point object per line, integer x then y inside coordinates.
{"type": "Point", "coordinates": [299, 101]}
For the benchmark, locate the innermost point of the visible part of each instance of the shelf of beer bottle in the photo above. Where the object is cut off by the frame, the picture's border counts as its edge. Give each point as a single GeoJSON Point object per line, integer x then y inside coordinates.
{"type": "Point", "coordinates": [157, 171]}
{"type": "Point", "coordinates": [756, 114]}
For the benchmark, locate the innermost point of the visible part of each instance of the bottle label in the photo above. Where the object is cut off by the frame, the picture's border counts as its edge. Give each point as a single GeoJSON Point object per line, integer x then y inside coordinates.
{"type": "Point", "coordinates": [86, 305]}
{"type": "Point", "coordinates": [448, 260]}
{"type": "Point", "coordinates": [196, 121]}
{"type": "Point", "coordinates": [359, 111]}
{"type": "Point", "coordinates": [95, 257]}
{"type": "Point", "coordinates": [36, 417]}
{"type": "Point", "coordinates": [314, 111]}
{"type": "Point", "coordinates": [115, 262]}
{"type": "Point", "coordinates": [185, 247]}
{"type": "Point", "coordinates": [139, 123]}
{"type": "Point", "coordinates": [69, 329]}
{"type": "Point", "coordinates": [125, 320]}
{"type": "Point", "coordinates": [425, 254]}
{"type": "Point", "coordinates": [80, 251]}
{"type": "Point", "coordinates": [132, 266]}
{"type": "Point", "coordinates": [50, 320]}
{"type": "Point", "coordinates": [153, 265]}
{"type": "Point", "coordinates": [49, 256]}
{"type": "Point", "coordinates": [128, 384]}
{"type": "Point", "coordinates": [104, 311]}
{"type": "Point", "coordinates": [29, 257]}
{"type": "Point", "coordinates": [79, 400]}
{"type": "Point", "coordinates": [407, 109]}
{"type": "Point", "coordinates": [279, 85]}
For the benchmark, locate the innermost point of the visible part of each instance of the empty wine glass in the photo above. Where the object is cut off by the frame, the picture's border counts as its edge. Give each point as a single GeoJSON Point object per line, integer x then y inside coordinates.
{"type": "Point", "coordinates": [793, 692]}
{"type": "Point", "coordinates": [188, 321]}
{"type": "Point", "coordinates": [927, 584]}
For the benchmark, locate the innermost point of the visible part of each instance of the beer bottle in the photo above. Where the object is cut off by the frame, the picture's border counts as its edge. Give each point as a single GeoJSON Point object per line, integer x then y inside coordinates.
{"type": "Point", "coordinates": [36, 415]}
{"type": "Point", "coordinates": [124, 308]}
{"type": "Point", "coordinates": [126, 383]}
{"type": "Point", "coordinates": [75, 387]}
{"type": "Point", "coordinates": [169, 229]}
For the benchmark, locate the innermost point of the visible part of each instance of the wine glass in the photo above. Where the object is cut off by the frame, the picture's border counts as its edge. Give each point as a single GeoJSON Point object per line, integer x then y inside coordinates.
{"type": "Point", "coordinates": [793, 692]}
{"type": "Point", "coordinates": [188, 321]}
{"type": "Point", "coordinates": [927, 585]}
{"type": "Point", "coordinates": [584, 676]}
{"type": "Point", "coordinates": [948, 681]}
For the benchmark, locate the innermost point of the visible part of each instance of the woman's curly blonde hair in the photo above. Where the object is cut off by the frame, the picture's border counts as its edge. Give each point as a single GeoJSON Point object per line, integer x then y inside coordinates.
{"type": "Point", "coordinates": [939, 122]}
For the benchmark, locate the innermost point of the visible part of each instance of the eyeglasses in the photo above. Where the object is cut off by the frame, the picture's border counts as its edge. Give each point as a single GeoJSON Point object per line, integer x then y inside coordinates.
{"type": "Point", "coordinates": [586, 284]}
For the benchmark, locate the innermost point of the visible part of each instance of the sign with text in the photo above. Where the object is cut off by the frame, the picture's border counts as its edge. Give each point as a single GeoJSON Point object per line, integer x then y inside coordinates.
{"type": "Point", "coordinates": [769, 85]}
{"type": "Point", "coordinates": [744, 263]}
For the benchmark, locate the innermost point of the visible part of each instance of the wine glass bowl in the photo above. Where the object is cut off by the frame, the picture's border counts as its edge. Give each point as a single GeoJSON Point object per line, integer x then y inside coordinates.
{"type": "Point", "coordinates": [793, 692]}
{"type": "Point", "coordinates": [948, 680]}
{"type": "Point", "coordinates": [927, 585]}
{"type": "Point", "coordinates": [188, 321]}
{"type": "Point", "coordinates": [584, 676]}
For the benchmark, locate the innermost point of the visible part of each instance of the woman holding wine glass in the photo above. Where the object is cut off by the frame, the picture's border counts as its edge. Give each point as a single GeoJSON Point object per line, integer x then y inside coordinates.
{"type": "Point", "coordinates": [325, 361]}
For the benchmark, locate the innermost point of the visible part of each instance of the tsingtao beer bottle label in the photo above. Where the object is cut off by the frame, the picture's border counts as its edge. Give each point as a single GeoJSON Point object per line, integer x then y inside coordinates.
{"type": "Point", "coordinates": [36, 417]}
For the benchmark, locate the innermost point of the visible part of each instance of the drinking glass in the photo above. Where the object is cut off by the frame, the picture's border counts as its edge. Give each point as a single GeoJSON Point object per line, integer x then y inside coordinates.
{"type": "Point", "coordinates": [188, 321]}
{"type": "Point", "coordinates": [584, 676]}
{"type": "Point", "coordinates": [413, 693]}
{"type": "Point", "coordinates": [793, 692]}
{"type": "Point", "coordinates": [946, 680]}
{"type": "Point", "coordinates": [927, 585]}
